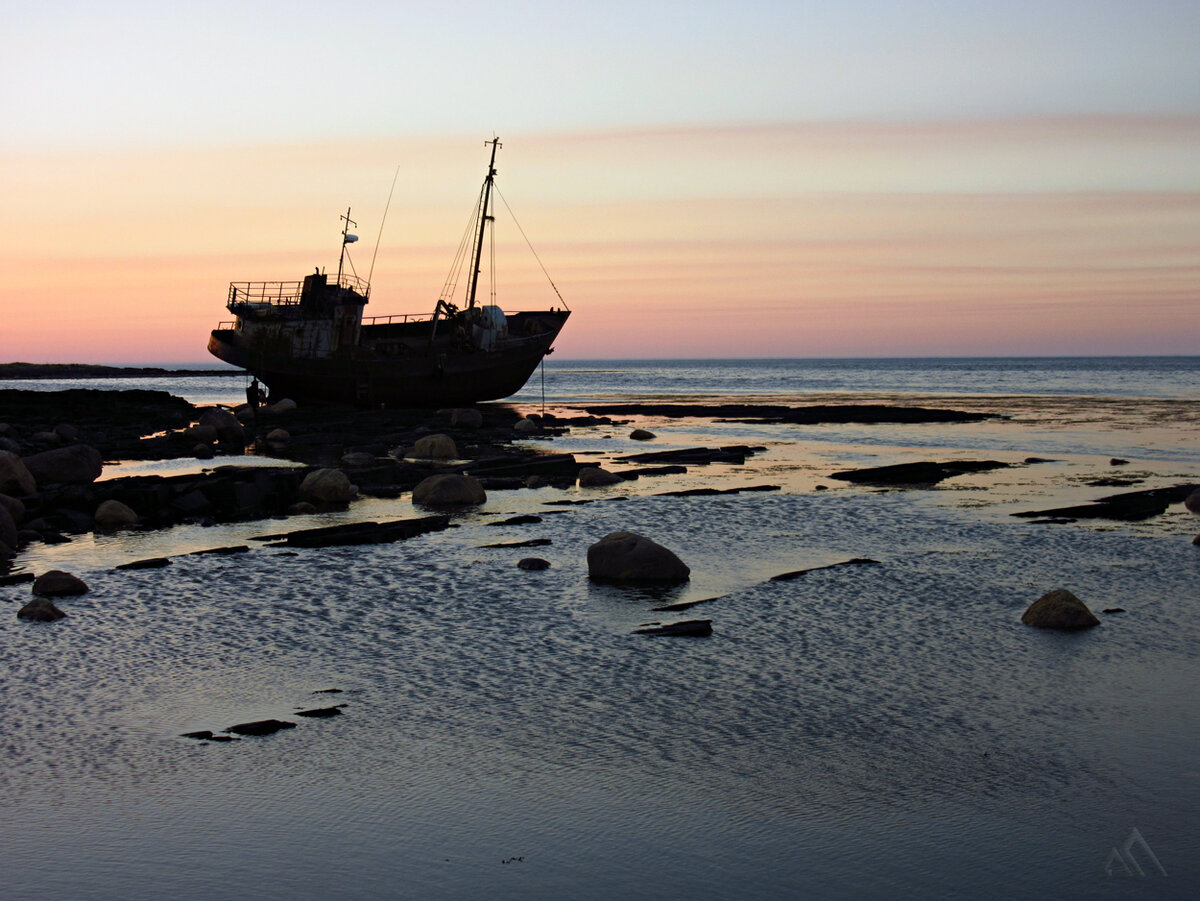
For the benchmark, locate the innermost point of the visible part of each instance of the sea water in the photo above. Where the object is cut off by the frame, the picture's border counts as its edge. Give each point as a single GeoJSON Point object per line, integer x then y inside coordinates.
{"type": "Point", "coordinates": [887, 729]}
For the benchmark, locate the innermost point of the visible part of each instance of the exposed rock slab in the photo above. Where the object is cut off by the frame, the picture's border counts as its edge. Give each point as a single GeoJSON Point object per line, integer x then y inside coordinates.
{"type": "Point", "coordinates": [690, 628]}
{"type": "Point", "coordinates": [362, 532]}
{"type": "Point", "coordinates": [1131, 506]}
{"type": "Point", "coordinates": [796, 574]}
{"type": "Point", "coordinates": [920, 473]}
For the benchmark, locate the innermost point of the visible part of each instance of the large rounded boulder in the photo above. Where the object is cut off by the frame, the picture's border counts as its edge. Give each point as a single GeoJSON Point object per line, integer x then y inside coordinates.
{"type": "Point", "coordinates": [78, 464]}
{"type": "Point", "coordinates": [58, 584]}
{"type": "Point", "coordinates": [434, 447]}
{"type": "Point", "coordinates": [449, 490]}
{"type": "Point", "coordinates": [1059, 609]}
{"type": "Point", "coordinates": [466, 418]}
{"type": "Point", "coordinates": [113, 514]}
{"type": "Point", "coordinates": [8, 528]}
{"type": "Point", "coordinates": [1192, 501]}
{"type": "Point", "coordinates": [629, 557]}
{"type": "Point", "coordinates": [229, 430]}
{"type": "Point", "coordinates": [15, 478]}
{"type": "Point", "coordinates": [595, 477]}
{"type": "Point", "coordinates": [326, 486]}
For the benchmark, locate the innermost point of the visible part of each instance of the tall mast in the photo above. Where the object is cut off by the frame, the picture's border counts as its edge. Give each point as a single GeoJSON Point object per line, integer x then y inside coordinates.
{"type": "Point", "coordinates": [484, 218]}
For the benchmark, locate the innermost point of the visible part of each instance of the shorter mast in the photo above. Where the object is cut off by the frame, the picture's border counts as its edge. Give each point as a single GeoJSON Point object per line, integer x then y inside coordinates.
{"type": "Point", "coordinates": [484, 218]}
{"type": "Point", "coordinates": [347, 238]}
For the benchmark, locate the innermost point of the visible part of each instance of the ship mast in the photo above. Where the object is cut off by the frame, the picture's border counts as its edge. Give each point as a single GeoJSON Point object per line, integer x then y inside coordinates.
{"type": "Point", "coordinates": [347, 238]}
{"type": "Point", "coordinates": [484, 218]}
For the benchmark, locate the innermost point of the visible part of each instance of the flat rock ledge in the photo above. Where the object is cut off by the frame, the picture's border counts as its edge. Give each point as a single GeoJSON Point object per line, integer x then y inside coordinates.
{"type": "Point", "coordinates": [688, 628]}
{"type": "Point", "coordinates": [1059, 609]}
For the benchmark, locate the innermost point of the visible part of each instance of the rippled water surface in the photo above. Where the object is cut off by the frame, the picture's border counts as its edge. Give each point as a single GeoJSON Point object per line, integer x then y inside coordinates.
{"type": "Point", "coordinates": [877, 730]}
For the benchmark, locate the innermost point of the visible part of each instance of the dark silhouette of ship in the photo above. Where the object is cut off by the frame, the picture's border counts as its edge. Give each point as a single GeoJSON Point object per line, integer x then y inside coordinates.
{"type": "Point", "coordinates": [308, 340]}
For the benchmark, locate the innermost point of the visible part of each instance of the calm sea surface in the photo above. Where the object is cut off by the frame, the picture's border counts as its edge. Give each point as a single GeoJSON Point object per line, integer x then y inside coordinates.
{"type": "Point", "coordinates": [873, 731]}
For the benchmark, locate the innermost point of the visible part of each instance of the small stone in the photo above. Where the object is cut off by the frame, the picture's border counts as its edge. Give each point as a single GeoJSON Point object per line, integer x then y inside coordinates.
{"type": "Point", "coordinates": [533, 564]}
{"type": "Point", "coordinates": [203, 452]}
{"type": "Point", "coordinates": [1117, 461]}
{"type": "Point", "coordinates": [642, 435]}
{"type": "Point", "coordinates": [1192, 502]}
{"type": "Point", "coordinates": [525, 426]}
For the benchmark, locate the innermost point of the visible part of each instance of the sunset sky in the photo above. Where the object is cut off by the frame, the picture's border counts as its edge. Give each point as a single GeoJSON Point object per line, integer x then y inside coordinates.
{"type": "Point", "coordinates": [701, 179]}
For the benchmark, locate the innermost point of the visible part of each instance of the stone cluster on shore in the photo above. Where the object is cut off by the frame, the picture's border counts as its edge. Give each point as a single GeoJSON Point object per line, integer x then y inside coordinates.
{"type": "Point", "coordinates": [448, 460]}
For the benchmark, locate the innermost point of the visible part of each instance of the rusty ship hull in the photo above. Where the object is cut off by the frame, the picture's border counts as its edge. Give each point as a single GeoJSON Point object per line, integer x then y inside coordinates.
{"type": "Point", "coordinates": [392, 364]}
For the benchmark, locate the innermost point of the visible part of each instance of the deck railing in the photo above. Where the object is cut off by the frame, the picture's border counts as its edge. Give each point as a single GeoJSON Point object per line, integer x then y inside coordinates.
{"type": "Point", "coordinates": [284, 293]}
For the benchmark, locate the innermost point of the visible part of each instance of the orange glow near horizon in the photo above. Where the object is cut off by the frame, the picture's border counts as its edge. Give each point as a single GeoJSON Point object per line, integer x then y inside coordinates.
{"type": "Point", "coordinates": [985, 239]}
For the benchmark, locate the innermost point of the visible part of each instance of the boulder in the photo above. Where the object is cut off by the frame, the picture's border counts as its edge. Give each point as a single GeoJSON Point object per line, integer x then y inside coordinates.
{"type": "Point", "coordinates": [629, 557]}
{"type": "Point", "coordinates": [301, 508]}
{"type": "Point", "coordinates": [46, 439]}
{"type": "Point", "coordinates": [15, 478]}
{"type": "Point", "coordinates": [595, 477]}
{"type": "Point", "coordinates": [67, 432]}
{"type": "Point", "coordinates": [15, 508]}
{"type": "Point", "coordinates": [75, 464]}
{"type": "Point", "coordinates": [525, 426]}
{"type": "Point", "coordinates": [40, 610]}
{"type": "Point", "coordinates": [58, 584]}
{"type": "Point", "coordinates": [326, 486]}
{"type": "Point", "coordinates": [533, 563]}
{"type": "Point", "coordinates": [1192, 502]}
{"type": "Point", "coordinates": [200, 434]}
{"type": "Point", "coordinates": [642, 435]}
{"type": "Point", "coordinates": [466, 418]}
{"type": "Point", "coordinates": [279, 436]}
{"type": "Point", "coordinates": [225, 423]}
{"type": "Point", "coordinates": [8, 528]}
{"type": "Point", "coordinates": [113, 514]}
{"type": "Point", "coordinates": [1059, 609]}
{"type": "Point", "coordinates": [449, 490]}
{"type": "Point", "coordinates": [435, 447]}
{"type": "Point", "coordinates": [284, 405]}
{"type": "Point", "coordinates": [358, 459]}
{"type": "Point", "coordinates": [203, 452]}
